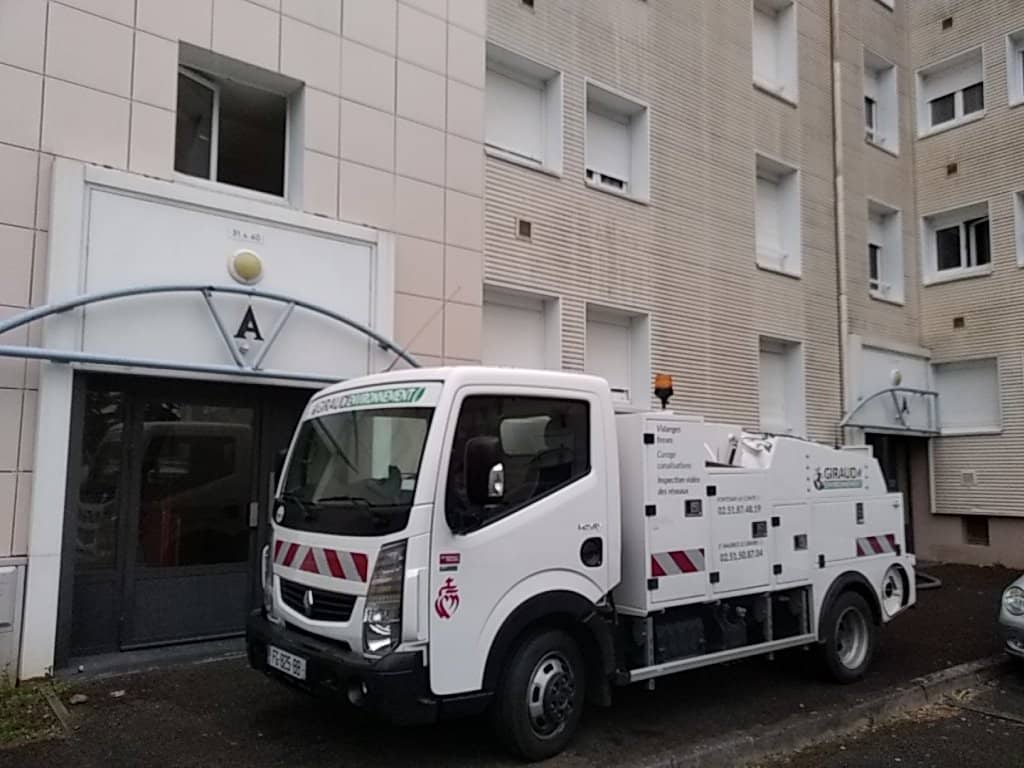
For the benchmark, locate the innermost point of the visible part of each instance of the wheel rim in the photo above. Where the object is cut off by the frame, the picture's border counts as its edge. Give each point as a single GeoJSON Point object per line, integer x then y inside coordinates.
{"type": "Point", "coordinates": [551, 695]}
{"type": "Point", "coordinates": [852, 638]}
{"type": "Point", "coordinates": [892, 593]}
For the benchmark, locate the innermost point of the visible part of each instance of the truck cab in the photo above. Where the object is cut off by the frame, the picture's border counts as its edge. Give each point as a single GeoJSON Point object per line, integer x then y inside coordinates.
{"type": "Point", "coordinates": [451, 540]}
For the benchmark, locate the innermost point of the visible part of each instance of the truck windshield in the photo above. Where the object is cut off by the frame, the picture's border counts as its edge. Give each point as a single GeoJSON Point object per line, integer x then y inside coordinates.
{"type": "Point", "coordinates": [354, 472]}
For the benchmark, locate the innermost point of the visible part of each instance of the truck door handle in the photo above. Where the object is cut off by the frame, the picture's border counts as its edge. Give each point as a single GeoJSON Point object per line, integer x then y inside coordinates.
{"type": "Point", "coordinates": [592, 552]}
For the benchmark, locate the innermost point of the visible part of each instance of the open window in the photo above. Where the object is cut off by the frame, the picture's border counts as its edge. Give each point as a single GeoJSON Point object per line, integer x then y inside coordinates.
{"type": "Point", "coordinates": [968, 396]}
{"type": "Point", "coordinates": [618, 349]}
{"type": "Point", "coordinates": [775, 51]}
{"type": "Point", "coordinates": [885, 252]}
{"type": "Point", "coordinates": [881, 102]}
{"type": "Point", "coordinates": [617, 144]}
{"type": "Point", "coordinates": [232, 122]}
{"type": "Point", "coordinates": [951, 92]}
{"type": "Point", "coordinates": [957, 243]}
{"type": "Point", "coordinates": [777, 216]}
{"type": "Point", "coordinates": [781, 385]}
{"type": "Point", "coordinates": [524, 110]}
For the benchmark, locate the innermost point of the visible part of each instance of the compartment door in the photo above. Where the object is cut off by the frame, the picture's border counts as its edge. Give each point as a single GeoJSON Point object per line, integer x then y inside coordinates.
{"type": "Point", "coordinates": [791, 543]}
{"type": "Point", "coordinates": [741, 534]}
{"type": "Point", "coordinates": [676, 514]}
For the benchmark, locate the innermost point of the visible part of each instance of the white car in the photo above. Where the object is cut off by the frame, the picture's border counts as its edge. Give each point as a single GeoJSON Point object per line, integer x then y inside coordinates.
{"type": "Point", "coordinates": [1011, 618]}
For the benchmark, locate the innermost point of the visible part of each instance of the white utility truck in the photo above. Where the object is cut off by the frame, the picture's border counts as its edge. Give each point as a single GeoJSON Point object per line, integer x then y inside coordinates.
{"type": "Point", "coordinates": [449, 541]}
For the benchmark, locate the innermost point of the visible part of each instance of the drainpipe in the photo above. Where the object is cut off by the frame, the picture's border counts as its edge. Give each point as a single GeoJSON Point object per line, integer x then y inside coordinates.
{"type": "Point", "coordinates": [840, 209]}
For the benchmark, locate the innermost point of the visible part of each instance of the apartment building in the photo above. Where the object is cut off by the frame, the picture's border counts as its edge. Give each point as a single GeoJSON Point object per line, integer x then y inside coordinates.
{"type": "Point", "coordinates": [235, 201]}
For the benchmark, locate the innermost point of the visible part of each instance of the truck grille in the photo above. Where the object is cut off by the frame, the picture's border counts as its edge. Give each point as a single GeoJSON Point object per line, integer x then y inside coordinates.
{"type": "Point", "coordinates": [327, 606]}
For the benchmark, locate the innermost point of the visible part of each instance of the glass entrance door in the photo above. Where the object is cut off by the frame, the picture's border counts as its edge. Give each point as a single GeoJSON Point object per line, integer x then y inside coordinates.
{"type": "Point", "coordinates": [191, 485]}
{"type": "Point", "coordinates": [168, 496]}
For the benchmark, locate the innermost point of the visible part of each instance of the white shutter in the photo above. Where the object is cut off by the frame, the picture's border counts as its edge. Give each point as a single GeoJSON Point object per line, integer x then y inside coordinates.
{"type": "Point", "coordinates": [608, 144]}
{"type": "Point", "coordinates": [968, 395]}
{"type": "Point", "coordinates": [769, 216]}
{"type": "Point", "coordinates": [514, 333]}
{"type": "Point", "coordinates": [953, 76]}
{"type": "Point", "coordinates": [773, 389]}
{"type": "Point", "coordinates": [608, 352]}
{"type": "Point", "coordinates": [515, 114]}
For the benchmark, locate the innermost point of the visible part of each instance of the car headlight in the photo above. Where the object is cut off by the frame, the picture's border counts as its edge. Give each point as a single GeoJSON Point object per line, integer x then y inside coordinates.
{"type": "Point", "coordinates": [1013, 601]}
{"type": "Point", "coordinates": [382, 619]}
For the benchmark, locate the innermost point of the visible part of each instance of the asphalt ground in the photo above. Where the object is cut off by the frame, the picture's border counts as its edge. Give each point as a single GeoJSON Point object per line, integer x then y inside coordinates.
{"type": "Point", "coordinates": [982, 728]}
{"type": "Point", "coordinates": [223, 714]}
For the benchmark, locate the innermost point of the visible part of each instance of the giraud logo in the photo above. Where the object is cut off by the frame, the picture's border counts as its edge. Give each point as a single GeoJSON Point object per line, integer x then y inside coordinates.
{"type": "Point", "coordinates": [832, 478]}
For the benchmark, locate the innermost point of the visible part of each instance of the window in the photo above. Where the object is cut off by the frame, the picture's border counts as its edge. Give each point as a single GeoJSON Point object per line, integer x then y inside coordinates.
{"type": "Point", "coordinates": [544, 445]}
{"type": "Point", "coordinates": [885, 252]}
{"type": "Point", "coordinates": [881, 102]}
{"type": "Point", "coordinates": [520, 330]}
{"type": "Point", "coordinates": [775, 47]}
{"type": "Point", "coordinates": [777, 217]}
{"type": "Point", "coordinates": [232, 123]}
{"type": "Point", "coordinates": [951, 91]}
{"type": "Point", "coordinates": [617, 144]}
{"type": "Point", "coordinates": [781, 382]}
{"type": "Point", "coordinates": [957, 243]}
{"type": "Point", "coordinates": [1015, 66]}
{"type": "Point", "coordinates": [1018, 215]}
{"type": "Point", "coordinates": [618, 350]}
{"type": "Point", "coordinates": [968, 399]}
{"type": "Point", "coordinates": [976, 531]}
{"type": "Point", "coordinates": [524, 110]}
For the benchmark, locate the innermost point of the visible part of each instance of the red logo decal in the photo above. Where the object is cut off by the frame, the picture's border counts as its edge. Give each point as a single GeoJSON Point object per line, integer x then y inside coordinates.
{"type": "Point", "coordinates": [450, 559]}
{"type": "Point", "coordinates": [447, 602]}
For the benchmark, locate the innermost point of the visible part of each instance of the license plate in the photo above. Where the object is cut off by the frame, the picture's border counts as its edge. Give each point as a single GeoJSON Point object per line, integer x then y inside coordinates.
{"type": "Point", "coordinates": [289, 663]}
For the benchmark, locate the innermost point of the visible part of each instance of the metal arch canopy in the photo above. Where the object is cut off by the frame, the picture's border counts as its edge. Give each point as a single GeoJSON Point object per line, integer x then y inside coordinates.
{"type": "Point", "coordinates": [901, 407]}
{"type": "Point", "coordinates": [241, 367]}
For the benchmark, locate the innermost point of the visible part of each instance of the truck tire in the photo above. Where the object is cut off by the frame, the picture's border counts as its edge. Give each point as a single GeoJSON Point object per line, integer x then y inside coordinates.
{"type": "Point", "coordinates": [540, 698]}
{"type": "Point", "coordinates": [850, 638]}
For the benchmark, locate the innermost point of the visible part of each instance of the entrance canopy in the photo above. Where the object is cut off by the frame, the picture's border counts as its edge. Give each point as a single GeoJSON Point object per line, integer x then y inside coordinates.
{"type": "Point", "coordinates": [247, 345]}
{"type": "Point", "coordinates": [899, 410]}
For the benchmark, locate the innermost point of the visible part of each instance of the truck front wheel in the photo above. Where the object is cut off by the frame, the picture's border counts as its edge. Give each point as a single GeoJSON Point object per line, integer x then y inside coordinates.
{"type": "Point", "coordinates": [851, 637]}
{"type": "Point", "coordinates": [539, 701]}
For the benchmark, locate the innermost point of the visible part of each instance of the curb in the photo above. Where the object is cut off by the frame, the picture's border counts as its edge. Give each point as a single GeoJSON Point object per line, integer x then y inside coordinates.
{"type": "Point", "coordinates": [801, 731]}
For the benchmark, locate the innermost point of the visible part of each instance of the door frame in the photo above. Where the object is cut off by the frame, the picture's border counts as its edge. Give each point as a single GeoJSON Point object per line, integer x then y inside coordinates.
{"type": "Point", "coordinates": [268, 425]}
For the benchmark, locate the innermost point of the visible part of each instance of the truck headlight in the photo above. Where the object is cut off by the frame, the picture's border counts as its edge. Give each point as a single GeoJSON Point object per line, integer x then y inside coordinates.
{"type": "Point", "coordinates": [1013, 601]}
{"type": "Point", "coordinates": [382, 619]}
{"type": "Point", "coordinates": [267, 580]}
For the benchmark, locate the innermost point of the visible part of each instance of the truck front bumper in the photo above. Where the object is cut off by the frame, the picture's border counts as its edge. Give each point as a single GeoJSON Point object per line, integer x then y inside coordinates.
{"type": "Point", "coordinates": [1014, 641]}
{"type": "Point", "coordinates": [396, 687]}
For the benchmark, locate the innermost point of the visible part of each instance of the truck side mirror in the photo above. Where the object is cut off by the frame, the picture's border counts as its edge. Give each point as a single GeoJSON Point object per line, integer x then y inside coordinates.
{"type": "Point", "coordinates": [485, 474]}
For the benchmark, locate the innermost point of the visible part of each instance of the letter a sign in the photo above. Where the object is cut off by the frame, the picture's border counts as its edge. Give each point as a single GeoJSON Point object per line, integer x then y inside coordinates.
{"type": "Point", "coordinates": [249, 326]}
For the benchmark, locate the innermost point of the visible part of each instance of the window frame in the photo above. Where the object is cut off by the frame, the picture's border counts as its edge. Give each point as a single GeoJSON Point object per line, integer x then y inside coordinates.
{"type": "Point", "coordinates": [514, 66]}
{"type": "Point", "coordinates": [204, 66]}
{"type": "Point", "coordinates": [881, 102]}
{"type": "Point", "coordinates": [969, 58]}
{"type": "Point", "coordinates": [891, 282]}
{"type": "Point", "coordinates": [965, 219]}
{"type": "Point", "coordinates": [637, 325]}
{"type": "Point", "coordinates": [613, 104]}
{"type": "Point", "coordinates": [214, 87]}
{"type": "Point", "coordinates": [786, 85]}
{"type": "Point", "coordinates": [870, 118]}
{"type": "Point", "coordinates": [479, 392]}
{"type": "Point", "coordinates": [876, 253]}
{"type": "Point", "coordinates": [1015, 67]}
{"type": "Point", "coordinates": [995, 429]}
{"type": "Point", "coordinates": [788, 181]}
{"type": "Point", "coordinates": [794, 385]}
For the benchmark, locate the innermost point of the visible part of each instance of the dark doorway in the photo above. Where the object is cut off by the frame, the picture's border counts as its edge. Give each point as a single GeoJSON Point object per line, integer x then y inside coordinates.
{"type": "Point", "coordinates": [904, 462]}
{"type": "Point", "coordinates": [169, 488]}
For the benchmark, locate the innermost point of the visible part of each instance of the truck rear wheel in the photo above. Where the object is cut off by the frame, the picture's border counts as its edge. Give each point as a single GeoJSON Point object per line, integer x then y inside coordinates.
{"type": "Point", "coordinates": [539, 702]}
{"type": "Point", "coordinates": [851, 637]}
